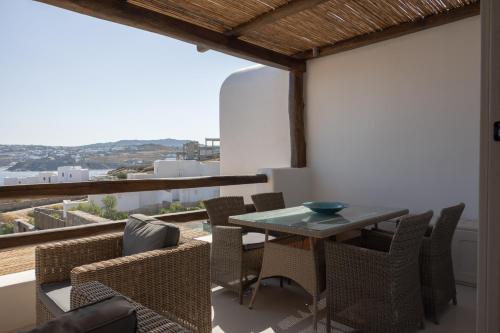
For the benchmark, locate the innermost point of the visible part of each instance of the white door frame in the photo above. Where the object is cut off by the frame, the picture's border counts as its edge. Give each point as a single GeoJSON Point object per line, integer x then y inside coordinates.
{"type": "Point", "coordinates": [488, 307]}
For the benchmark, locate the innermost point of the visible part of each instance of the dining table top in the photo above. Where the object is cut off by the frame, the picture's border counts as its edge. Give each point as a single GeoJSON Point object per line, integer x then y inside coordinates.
{"type": "Point", "coordinates": [302, 221]}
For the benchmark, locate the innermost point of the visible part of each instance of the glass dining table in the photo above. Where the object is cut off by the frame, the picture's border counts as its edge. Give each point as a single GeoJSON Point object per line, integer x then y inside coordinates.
{"type": "Point", "coordinates": [299, 255]}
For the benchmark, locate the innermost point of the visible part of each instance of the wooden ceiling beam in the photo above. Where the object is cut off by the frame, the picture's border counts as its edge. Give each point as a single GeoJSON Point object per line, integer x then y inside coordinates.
{"type": "Point", "coordinates": [293, 7]}
{"type": "Point", "coordinates": [394, 32]}
{"type": "Point", "coordinates": [120, 11]}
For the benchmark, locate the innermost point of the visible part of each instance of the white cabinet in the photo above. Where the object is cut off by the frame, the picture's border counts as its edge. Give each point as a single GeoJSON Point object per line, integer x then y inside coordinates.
{"type": "Point", "coordinates": [464, 251]}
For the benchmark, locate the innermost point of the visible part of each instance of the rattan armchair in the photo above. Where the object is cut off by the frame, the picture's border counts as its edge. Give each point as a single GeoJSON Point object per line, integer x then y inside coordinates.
{"type": "Point", "coordinates": [147, 319]}
{"type": "Point", "coordinates": [173, 281]}
{"type": "Point", "coordinates": [235, 261]}
{"type": "Point", "coordinates": [373, 283]}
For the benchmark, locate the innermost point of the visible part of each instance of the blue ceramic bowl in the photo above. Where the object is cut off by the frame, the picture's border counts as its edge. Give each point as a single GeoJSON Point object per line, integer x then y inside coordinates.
{"type": "Point", "coordinates": [325, 207]}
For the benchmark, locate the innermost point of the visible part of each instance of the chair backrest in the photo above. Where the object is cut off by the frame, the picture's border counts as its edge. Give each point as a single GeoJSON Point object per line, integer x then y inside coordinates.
{"type": "Point", "coordinates": [405, 246]}
{"type": "Point", "coordinates": [442, 233]}
{"type": "Point", "coordinates": [219, 209]}
{"type": "Point", "coordinates": [268, 201]}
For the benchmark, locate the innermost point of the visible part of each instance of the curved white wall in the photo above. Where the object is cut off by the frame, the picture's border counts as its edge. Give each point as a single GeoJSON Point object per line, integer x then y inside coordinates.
{"type": "Point", "coordinates": [253, 124]}
{"type": "Point", "coordinates": [397, 123]}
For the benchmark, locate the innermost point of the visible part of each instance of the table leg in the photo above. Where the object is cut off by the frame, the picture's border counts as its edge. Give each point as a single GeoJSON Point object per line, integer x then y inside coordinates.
{"type": "Point", "coordinates": [328, 322]}
{"type": "Point", "coordinates": [257, 285]}
{"type": "Point", "coordinates": [312, 245]}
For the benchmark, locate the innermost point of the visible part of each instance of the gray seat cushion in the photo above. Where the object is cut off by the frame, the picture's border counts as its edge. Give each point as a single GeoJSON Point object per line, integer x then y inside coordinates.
{"type": "Point", "coordinates": [143, 233]}
{"type": "Point", "coordinates": [114, 314]}
{"type": "Point", "coordinates": [56, 296]}
{"type": "Point", "coordinates": [254, 240]}
{"type": "Point", "coordinates": [251, 240]}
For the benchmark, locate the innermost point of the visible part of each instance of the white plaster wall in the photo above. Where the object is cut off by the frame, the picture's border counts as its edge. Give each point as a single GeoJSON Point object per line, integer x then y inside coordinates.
{"type": "Point", "coordinates": [253, 124]}
{"type": "Point", "coordinates": [10, 181]}
{"type": "Point", "coordinates": [397, 123]}
{"type": "Point", "coordinates": [17, 301]}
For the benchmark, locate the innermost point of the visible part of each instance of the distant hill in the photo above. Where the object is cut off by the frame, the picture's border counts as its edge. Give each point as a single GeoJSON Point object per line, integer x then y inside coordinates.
{"type": "Point", "coordinates": [127, 143]}
{"type": "Point", "coordinates": [105, 155]}
{"type": "Point", "coordinates": [46, 164]}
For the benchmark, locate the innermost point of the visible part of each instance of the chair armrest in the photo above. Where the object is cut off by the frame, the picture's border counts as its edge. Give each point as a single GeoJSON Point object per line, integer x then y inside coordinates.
{"type": "Point", "coordinates": [174, 281]}
{"type": "Point", "coordinates": [225, 238]}
{"type": "Point", "coordinates": [356, 267]}
{"type": "Point", "coordinates": [54, 261]}
{"type": "Point", "coordinates": [147, 320]}
{"type": "Point", "coordinates": [226, 256]}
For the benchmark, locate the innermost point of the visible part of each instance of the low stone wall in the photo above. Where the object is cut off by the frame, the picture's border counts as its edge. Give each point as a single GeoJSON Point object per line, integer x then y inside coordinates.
{"type": "Point", "coordinates": [76, 217]}
{"type": "Point", "coordinates": [21, 225]}
{"type": "Point", "coordinates": [151, 209]}
{"type": "Point", "coordinates": [7, 206]}
{"type": "Point", "coordinates": [48, 218]}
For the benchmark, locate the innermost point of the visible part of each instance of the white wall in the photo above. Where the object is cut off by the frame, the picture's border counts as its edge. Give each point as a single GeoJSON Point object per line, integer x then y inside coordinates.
{"type": "Point", "coordinates": [17, 301]}
{"type": "Point", "coordinates": [397, 123]}
{"type": "Point", "coordinates": [254, 128]}
{"type": "Point", "coordinates": [68, 174]}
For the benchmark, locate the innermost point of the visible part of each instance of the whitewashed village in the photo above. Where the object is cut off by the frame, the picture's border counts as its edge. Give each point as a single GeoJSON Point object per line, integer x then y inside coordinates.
{"type": "Point", "coordinates": [194, 160]}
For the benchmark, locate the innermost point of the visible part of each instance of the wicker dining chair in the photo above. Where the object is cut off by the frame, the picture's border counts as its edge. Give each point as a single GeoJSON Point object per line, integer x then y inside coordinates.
{"type": "Point", "coordinates": [268, 201]}
{"type": "Point", "coordinates": [235, 256]}
{"type": "Point", "coordinates": [373, 283]}
{"type": "Point", "coordinates": [436, 264]}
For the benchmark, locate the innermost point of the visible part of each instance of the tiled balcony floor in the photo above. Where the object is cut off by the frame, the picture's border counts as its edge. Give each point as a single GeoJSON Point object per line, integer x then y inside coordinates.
{"type": "Point", "coordinates": [286, 310]}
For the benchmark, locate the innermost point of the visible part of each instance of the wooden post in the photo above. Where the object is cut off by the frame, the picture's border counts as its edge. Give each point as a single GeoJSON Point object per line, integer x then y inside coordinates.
{"type": "Point", "coordinates": [296, 115]}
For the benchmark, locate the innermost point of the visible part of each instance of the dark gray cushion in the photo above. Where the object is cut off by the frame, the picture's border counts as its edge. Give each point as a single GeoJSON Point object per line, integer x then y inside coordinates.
{"type": "Point", "coordinates": [56, 296]}
{"type": "Point", "coordinates": [143, 233]}
{"type": "Point", "coordinates": [115, 314]}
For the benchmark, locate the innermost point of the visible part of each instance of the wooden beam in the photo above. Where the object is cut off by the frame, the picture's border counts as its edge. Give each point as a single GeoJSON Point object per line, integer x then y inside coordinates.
{"type": "Point", "coordinates": [395, 31]}
{"type": "Point", "coordinates": [292, 7]}
{"type": "Point", "coordinates": [52, 235]}
{"type": "Point", "coordinates": [121, 186]}
{"type": "Point", "coordinates": [296, 117]}
{"type": "Point", "coordinates": [120, 11]}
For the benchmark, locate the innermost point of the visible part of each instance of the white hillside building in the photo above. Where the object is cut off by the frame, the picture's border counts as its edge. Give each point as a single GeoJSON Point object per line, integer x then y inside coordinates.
{"type": "Point", "coordinates": [167, 169]}
{"type": "Point", "coordinates": [70, 174]}
{"type": "Point", "coordinates": [64, 174]}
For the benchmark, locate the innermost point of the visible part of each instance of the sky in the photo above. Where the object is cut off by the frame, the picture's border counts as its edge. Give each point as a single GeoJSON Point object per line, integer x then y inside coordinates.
{"type": "Point", "coordinates": [69, 79]}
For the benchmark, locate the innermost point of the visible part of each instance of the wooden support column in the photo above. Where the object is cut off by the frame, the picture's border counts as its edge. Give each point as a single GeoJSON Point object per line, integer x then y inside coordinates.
{"type": "Point", "coordinates": [296, 115]}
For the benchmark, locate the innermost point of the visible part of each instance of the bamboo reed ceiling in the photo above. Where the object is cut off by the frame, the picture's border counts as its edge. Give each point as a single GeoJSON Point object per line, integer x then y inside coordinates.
{"type": "Point", "coordinates": [325, 23]}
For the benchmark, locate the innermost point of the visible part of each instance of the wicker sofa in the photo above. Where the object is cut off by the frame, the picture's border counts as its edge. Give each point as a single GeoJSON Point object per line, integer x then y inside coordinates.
{"type": "Point", "coordinates": [175, 281]}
